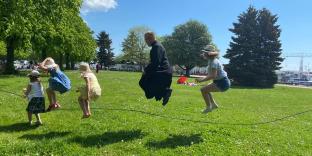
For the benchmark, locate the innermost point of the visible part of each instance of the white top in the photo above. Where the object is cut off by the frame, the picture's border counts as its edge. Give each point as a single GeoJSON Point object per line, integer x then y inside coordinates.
{"type": "Point", "coordinates": [215, 64]}
{"type": "Point", "coordinates": [94, 83]}
{"type": "Point", "coordinates": [36, 90]}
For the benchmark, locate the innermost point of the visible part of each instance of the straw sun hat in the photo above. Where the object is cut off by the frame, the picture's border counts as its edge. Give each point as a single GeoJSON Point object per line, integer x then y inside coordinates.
{"type": "Point", "coordinates": [50, 63]}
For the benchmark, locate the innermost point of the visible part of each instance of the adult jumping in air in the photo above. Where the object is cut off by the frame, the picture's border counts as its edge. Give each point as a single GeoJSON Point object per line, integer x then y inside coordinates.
{"type": "Point", "coordinates": [157, 76]}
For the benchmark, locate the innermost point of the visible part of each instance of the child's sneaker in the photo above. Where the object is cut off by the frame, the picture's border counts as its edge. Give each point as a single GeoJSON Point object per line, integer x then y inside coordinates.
{"type": "Point", "coordinates": [214, 106]}
{"type": "Point", "coordinates": [38, 123]}
{"type": "Point", "coordinates": [207, 110]}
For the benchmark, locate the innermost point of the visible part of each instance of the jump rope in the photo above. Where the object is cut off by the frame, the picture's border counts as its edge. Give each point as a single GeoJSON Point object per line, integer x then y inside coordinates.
{"type": "Point", "coordinates": [184, 119]}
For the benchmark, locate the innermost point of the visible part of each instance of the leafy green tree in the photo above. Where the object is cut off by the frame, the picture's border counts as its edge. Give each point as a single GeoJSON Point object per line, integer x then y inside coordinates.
{"type": "Point", "coordinates": [38, 29]}
{"type": "Point", "coordinates": [119, 58]}
{"type": "Point", "coordinates": [2, 50]}
{"type": "Point", "coordinates": [77, 43]}
{"type": "Point", "coordinates": [143, 50]}
{"type": "Point", "coordinates": [185, 43]}
{"type": "Point", "coordinates": [255, 50]}
{"type": "Point", "coordinates": [105, 53]}
{"type": "Point", "coordinates": [15, 27]}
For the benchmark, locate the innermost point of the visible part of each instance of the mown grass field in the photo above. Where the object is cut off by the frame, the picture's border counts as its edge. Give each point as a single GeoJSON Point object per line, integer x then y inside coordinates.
{"type": "Point", "coordinates": [249, 121]}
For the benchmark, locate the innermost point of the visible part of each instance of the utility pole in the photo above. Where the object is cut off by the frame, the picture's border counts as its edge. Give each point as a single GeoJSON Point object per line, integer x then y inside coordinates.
{"type": "Point", "coordinates": [301, 56]}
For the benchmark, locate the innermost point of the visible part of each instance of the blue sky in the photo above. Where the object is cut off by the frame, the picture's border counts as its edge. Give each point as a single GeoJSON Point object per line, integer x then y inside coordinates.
{"type": "Point", "coordinates": [117, 16]}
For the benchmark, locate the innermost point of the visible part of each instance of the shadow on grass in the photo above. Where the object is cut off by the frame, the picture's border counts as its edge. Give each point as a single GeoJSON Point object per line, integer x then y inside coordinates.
{"type": "Point", "coordinates": [175, 141]}
{"type": "Point", "coordinates": [17, 127]}
{"type": "Point", "coordinates": [108, 138]}
{"type": "Point", "coordinates": [50, 135]}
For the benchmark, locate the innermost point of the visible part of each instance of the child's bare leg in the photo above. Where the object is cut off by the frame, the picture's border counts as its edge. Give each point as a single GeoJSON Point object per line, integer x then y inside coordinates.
{"type": "Point", "coordinates": [51, 96]}
{"type": "Point", "coordinates": [38, 118]}
{"type": "Point", "coordinates": [206, 96]}
{"type": "Point", "coordinates": [81, 103]}
{"type": "Point", "coordinates": [29, 117]}
{"type": "Point", "coordinates": [87, 104]}
{"type": "Point", "coordinates": [210, 103]}
{"type": "Point", "coordinates": [213, 102]}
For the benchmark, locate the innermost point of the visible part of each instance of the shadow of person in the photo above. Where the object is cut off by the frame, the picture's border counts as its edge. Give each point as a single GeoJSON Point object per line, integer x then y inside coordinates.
{"type": "Point", "coordinates": [17, 127]}
{"type": "Point", "coordinates": [50, 135]}
{"type": "Point", "coordinates": [108, 138]}
{"type": "Point", "coordinates": [175, 141]}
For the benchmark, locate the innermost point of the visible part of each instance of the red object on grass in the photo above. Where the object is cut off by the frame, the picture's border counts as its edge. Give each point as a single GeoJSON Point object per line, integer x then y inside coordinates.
{"type": "Point", "coordinates": [182, 80]}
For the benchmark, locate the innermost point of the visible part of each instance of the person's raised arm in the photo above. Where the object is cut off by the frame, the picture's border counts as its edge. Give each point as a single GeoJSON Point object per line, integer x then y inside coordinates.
{"type": "Point", "coordinates": [213, 53]}
{"type": "Point", "coordinates": [210, 76]}
{"type": "Point", "coordinates": [41, 65]}
{"type": "Point", "coordinates": [27, 90]}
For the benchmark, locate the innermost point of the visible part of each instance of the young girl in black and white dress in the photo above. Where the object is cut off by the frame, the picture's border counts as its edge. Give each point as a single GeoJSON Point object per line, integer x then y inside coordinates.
{"type": "Point", "coordinates": [35, 95]}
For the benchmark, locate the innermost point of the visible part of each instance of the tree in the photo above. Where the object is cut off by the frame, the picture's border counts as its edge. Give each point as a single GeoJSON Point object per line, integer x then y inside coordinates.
{"type": "Point", "coordinates": [130, 47]}
{"type": "Point", "coordinates": [77, 41]}
{"type": "Point", "coordinates": [143, 50]}
{"type": "Point", "coordinates": [184, 45]}
{"type": "Point", "coordinates": [104, 54]}
{"type": "Point", "coordinates": [2, 50]}
{"type": "Point", "coordinates": [45, 28]}
{"type": "Point", "coordinates": [255, 50]}
{"type": "Point", "coordinates": [15, 27]}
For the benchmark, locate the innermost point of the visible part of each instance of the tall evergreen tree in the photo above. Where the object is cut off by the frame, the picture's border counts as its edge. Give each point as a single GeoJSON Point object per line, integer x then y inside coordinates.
{"type": "Point", "coordinates": [130, 47]}
{"type": "Point", "coordinates": [255, 49]}
{"type": "Point", "coordinates": [105, 54]}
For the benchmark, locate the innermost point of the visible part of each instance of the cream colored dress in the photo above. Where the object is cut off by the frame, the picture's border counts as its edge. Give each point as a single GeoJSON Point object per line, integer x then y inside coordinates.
{"type": "Point", "coordinates": [95, 89]}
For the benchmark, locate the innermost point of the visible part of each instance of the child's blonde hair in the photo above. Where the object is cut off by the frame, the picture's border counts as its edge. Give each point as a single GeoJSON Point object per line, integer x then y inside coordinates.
{"type": "Point", "coordinates": [84, 67]}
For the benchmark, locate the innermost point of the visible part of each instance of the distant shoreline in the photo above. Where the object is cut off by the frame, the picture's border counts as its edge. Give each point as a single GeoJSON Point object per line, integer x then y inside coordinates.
{"type": "Point", "coordinates": [294, 86]}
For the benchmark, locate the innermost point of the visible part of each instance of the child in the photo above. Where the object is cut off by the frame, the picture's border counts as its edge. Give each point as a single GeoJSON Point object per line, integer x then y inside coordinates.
{"type": "Point", "coordinates": [216, 73]}
{"type": "Point", "coordinates": [98, 66]}
{"type": "Point", "coordinates": [58, 81]}
{"type": "Point", "coordinates": [90, 91]}
{"type": "Point", "coordinates": [34, 93]}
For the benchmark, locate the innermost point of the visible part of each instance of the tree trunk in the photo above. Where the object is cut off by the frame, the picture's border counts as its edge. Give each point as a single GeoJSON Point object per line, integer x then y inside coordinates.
{"type": "Point", "coordinates": [187, 72]}
{"type": "Point", "coordinates": [61, 61]}
{"type": "Point", "coordinates": [43, 54]}
{"type": "Point", "coordinates": [67, 61]}
{"type": "Point", "coordinates": [9, 67]}
{"type": "Point", "coordinates": [72, 65]}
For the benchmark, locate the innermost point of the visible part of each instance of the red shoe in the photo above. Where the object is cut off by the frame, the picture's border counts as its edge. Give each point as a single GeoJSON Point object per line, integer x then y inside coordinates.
{"type": "Point", "coordinates": [52, 106]}
{"type": "Point", "coordinates": [57, 105]}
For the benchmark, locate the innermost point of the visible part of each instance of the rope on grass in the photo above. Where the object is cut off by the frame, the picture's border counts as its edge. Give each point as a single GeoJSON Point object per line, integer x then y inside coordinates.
{"type": "Point", "coordinates": [190, 120]}
{"type": "Point", "coordinates": [12, 93]}
{"type": "Point", "coordinates": [204, 122]}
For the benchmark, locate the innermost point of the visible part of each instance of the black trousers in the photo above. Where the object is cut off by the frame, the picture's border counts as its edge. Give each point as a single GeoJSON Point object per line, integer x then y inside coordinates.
{"type": "Point", "coordinates": [156, 84]}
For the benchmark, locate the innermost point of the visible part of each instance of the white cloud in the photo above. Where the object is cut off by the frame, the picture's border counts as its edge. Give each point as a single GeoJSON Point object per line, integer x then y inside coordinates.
{"type": "Point", "coordinates": [98, 5]}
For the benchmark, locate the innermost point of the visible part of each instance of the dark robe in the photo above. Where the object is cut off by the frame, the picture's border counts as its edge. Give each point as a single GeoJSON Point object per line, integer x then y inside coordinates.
{"type": "Point", "coordinates": [157, 77]}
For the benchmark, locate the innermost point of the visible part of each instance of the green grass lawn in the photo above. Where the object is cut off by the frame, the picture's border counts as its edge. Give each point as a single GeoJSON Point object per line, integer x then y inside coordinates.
{"type": "Point", "coordinates": [249, 121]}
